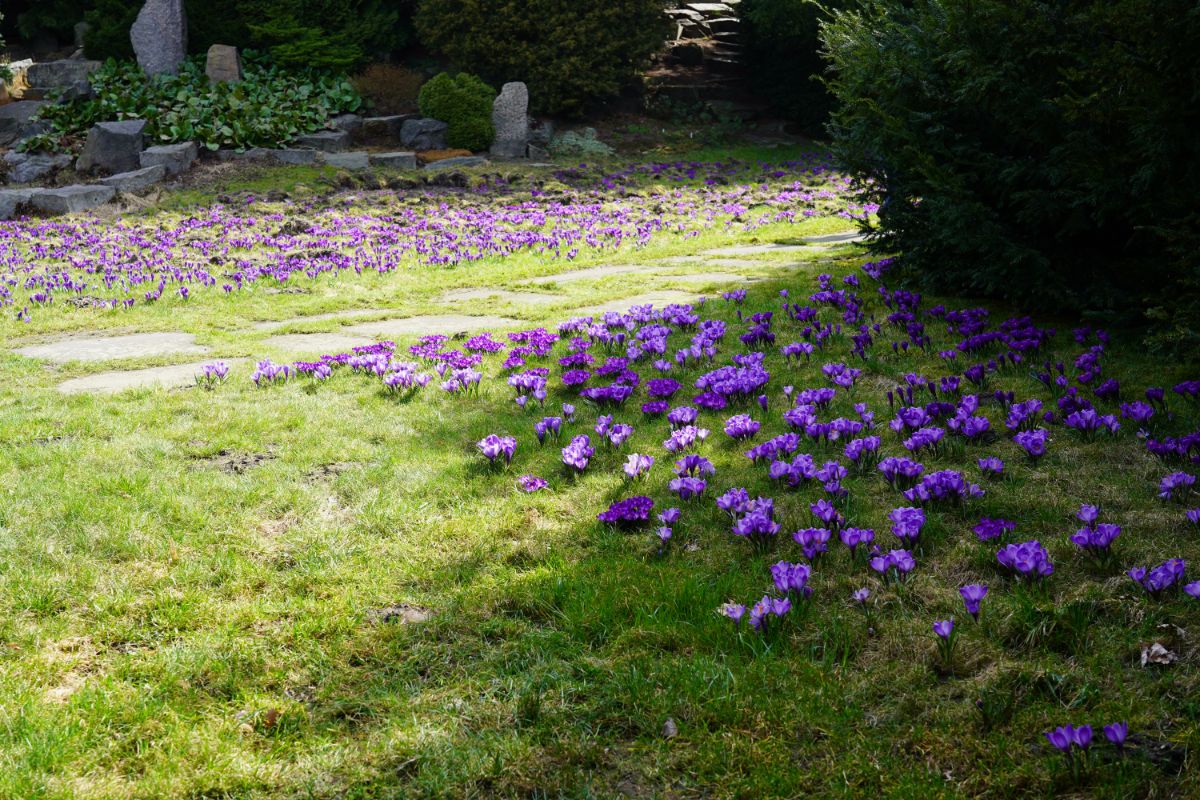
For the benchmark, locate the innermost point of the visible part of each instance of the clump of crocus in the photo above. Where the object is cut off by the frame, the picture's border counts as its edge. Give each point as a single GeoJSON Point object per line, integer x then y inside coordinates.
{"type": "Point", "coordinates": [946, 636]}
{"type": "Point", "coordinates": [813, 541]}
{"type": "Point", "coordinates": [1027, 560]}
{"type": "Point", "coordinates": [531, 483]}
{"type": "Point", "coordinates": [1073, 743]}
{"type": "Point", "coordinates": [578, 453]}
{"type": "Point", "coordinates": [494, 447]}
{"type": "Point", "coordinates": [899, 471]}
{"type": "Point", "coordinates": [907, 524]}
{"type": "Point", "coordinates": [1095, 538]}
{"type": "Point", "coordinates": [991, 467]}
{"type": "Point", "coordinates": [212, 374]}
{"type": "Point", "coordinates": [853, 538]}
{"type": "Point", "coordinates": [989, 528]}
{"type": "Point", "coordinates": [1033, 442]}
{"type": "Point", "coordinates": [1176, 486]}
{"type": "Point", "coordinates": [547, 427]}
{"type": "Point", "coordinates": [741, 426]}
{"type": "Point", "coordinates": [627, 513]}
{"type": "Point", "coordinates": [637, 465]}
{"type": "Point", "coordinates": [1158, 580]}
{"type": "Point", "coordinates": [972, 595]}
{"type": "Point", "coordinates": [792, 579]}
{"type": "Point", "coordinates": [894, 565]}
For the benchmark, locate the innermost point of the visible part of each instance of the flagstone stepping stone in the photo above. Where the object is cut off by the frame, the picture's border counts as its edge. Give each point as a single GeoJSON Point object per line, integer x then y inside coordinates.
{"type": "Point", "coordinates": [714, 262]}
{"type": "Point", "coordinates": [276, 324]}
{"type": "Point", "coordinates": [317, 343]}
{"type": "Point", "coordinates": [503, 295]}
{"type": "Point", "coordinates": [753, 249]}
{"type": "Point", "coordinates": [845, 237]}
{"type": "Point", "coordinates": [705, 278]}
{"type": "Point", "coordinates": [441, 323]}
{"type": "Point", "coordinates": [107, 348]}
{"type": "Point", "coordinates": [589, 274]}
{"type": "Point", "coordinates": [657, 299]}
{"type": "Point", "coordinates": [120, 380]}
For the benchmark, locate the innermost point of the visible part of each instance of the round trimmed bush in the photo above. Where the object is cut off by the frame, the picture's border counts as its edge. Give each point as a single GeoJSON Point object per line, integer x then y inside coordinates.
{"type": "Point", "coordinates": [571, 53]}
{"type": "Point", "coordinates": [464, 103]}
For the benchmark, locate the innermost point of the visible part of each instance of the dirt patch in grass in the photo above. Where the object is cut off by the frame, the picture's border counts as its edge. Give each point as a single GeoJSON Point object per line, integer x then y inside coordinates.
{"type": "Point", "coordinates": [401, 613]}
{"type": "Point", "coordinates": [235, 463]}
{"type": "Point", "coordinates": [326, 472]}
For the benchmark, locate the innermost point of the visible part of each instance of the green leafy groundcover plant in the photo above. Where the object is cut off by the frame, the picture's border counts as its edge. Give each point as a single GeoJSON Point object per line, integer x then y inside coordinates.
{"type": "Point", "coordinates": [267, 109]}
{"type": "Point", "coordinates": [571, 53]}
{"type": "Point", "coordinates": [464, 103]}
{"type": "Point", "coordinates": [1043, 152]}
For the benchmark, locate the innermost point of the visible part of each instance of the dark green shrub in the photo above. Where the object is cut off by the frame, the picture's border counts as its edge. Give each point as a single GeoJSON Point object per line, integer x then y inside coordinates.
{"type": "Point", "coordinates": [267, 109]}
{"type": "Point", "coordinates": [390, 88]}
{"type": "Point", "coordinates": [571, 53]}
{"type": "Point", "coordinates": [320, 34]}
{"type": "Point", "coordinates": [464, 103]}
{"type": "Point", "coordinates": [782, 47]}
{"type": "Point", "coordinates": [1039, 151]}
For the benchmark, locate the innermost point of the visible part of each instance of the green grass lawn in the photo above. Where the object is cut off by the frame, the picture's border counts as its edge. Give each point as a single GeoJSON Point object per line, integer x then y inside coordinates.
{"type": "Point", "coordinates": [318, 591]}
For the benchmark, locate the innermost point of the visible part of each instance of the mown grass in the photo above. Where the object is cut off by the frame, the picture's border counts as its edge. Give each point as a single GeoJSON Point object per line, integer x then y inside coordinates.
{"type": "Point", "coordinates": [174, 623]}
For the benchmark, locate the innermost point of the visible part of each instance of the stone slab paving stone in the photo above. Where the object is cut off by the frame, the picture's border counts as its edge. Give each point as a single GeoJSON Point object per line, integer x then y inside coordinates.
{"type": "Point", "coordinates": [108, 348]}
{"type": "Point", "coordinates": [728, 263]}
{"type": "Point", "coordinates": [457, 162]}
{"type": "Point", "coordinates": [176, 158]}
{"type": "Point", "coordinates": [396, 160]}
{"type": "Point", "coordinates": [516, 298]}
{"type": "Point", "coordinates": [276, 324]}
{"type": "Point", "coordinates": [705, 278]}
{"type": "Point", "coordinates": [317, 343]}
{"type": "Point", "coordinates": [657, 299]}
{"type": "Point", "coordinates": [325, 141]}
{"type": "Point", "coordinates": [754, 249]}
{"type": "Point", "coordinates": [120, 380]}
{"type": "Point", "coordinates": [440, 323]}
{"type": "Point", "coordinates": [353, 160]}
{"type": "Point", "coordinates": [12, 199]}
{"type": "Point", "coordinates": [844, 237]}
{"type": "Point", "coordinates": [589, 274]}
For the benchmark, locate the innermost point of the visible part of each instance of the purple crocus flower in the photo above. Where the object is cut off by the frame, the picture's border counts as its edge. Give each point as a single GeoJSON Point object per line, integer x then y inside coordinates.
{"type": "Point", "coordinates": [944, 628]}
{"type": "Point", "coordinates": [578, 453]}
{"type": "Point", "coordinates": [1157, 580]}
{"type": "Point", "coordinates": [637, 465]}
{"type": "Point", "coordinates": [1062, 737]}
{"type": "Point", "coordinates": [1192, 589]}
{"type": "Point", "coordinates": [735, 611]}
{"type": "Point", "coordinates": [792, 579]}
{"type": "Point", "coordinates": [687, 487]}
{"type": "Point", "coordinates": [972, 595]}
{"type": "Point", "coordinates": [907, 524]}
{"type": "Point", "coordinates": [1116, 732]}
{"type": "Point", "coordinates": [853, 537]}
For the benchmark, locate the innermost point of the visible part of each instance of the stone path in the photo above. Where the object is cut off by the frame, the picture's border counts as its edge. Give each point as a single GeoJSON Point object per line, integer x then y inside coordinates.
{"type": "Point", "coordinates": [503, 295]}
{"type": "Point", "coordinates": [835, 238]}
{"type": "Point", "coordinates": [754, 249]}
{"type": "Point", "coordinates": [441, 323]}
{"type": "Point", "coordinates": [274, 325]}
{"type": "Point", "coordinates": [317, 343]}
{"type": "Point", "coordinates": [705, 278]}
{"type": "Point", "coordinates": [109, 382]}
{"type": "Point", "coordinates": [590, 274]}
{"type": "Point", "coordinates": [727, 263]}
{"type": "Point", "coordinates": [107, 348]}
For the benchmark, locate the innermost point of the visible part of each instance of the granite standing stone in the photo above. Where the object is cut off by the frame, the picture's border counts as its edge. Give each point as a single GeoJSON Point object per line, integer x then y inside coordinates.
{"type": "Point", "coordinates": [224, 64]}
{"type": "Point", "coordinates": [159, 36]}
{"type": "Point", "coordinates": [510, 118]}
{"type": "Point", "coordinates": [113, 147]}
{"type": "Point", "coordinates": [423, 134]}
{"type": "Point", "coordinates": [176, 158]}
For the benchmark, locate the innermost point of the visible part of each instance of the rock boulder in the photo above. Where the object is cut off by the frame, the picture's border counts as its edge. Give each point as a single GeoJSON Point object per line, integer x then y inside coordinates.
{"type": "Point", "coordinates": [113, 147]}
{"type": "Point", "coordinates": [510, 118]}
{"type": "Point", "coordinates": [423, 134]}
{"type": "Point", "coordinates": [159, 36]}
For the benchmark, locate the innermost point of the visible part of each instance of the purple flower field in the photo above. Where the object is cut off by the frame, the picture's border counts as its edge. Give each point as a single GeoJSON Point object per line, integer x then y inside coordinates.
{"type": "Point", "coordinates": [844, 538]}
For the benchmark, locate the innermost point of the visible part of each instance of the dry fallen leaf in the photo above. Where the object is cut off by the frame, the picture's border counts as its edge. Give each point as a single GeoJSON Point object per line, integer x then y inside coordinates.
{"type": "Point", "coordinates": [670, 729]}
{"type": "Point", "coordinates": [1157, 654]}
